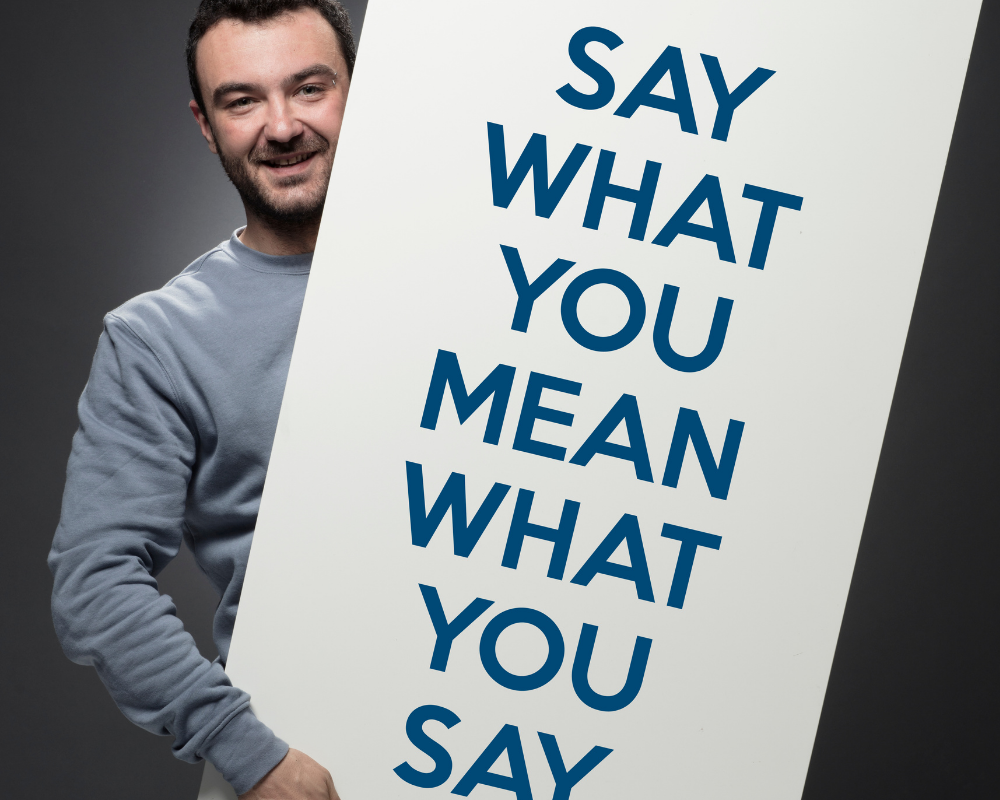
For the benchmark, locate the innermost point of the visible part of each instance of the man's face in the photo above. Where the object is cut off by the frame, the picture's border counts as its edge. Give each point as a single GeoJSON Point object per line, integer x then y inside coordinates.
{"type": "Point", "coordinates": [274, 94]}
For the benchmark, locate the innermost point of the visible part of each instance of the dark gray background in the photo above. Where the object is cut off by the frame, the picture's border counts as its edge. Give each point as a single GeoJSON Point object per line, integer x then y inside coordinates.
{"type": "Point", "coordinates": [110, 191]}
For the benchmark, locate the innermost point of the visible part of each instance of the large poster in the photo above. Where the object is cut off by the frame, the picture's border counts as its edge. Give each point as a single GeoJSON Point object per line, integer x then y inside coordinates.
{"type": "Point", "coordinates": [589, 391]}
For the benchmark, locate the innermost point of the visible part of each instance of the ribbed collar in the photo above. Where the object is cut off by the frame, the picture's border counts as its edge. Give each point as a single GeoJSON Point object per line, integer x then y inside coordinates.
{"type": "Point", "coordinates": [262, 262]}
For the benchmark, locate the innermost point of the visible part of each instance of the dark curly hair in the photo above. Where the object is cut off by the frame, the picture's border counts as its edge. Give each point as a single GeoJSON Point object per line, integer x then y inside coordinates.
{"type": "Point", "coordinates": [211, 12]}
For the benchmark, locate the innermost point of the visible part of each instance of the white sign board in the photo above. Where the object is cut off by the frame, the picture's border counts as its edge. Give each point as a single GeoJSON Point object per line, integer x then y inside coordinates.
{"type": "Point", "coordinates": [589, 391]}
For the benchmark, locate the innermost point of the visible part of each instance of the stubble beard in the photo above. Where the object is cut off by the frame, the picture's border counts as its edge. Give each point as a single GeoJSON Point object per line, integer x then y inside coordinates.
{"type": "Point", "coordinates": [260, 200]}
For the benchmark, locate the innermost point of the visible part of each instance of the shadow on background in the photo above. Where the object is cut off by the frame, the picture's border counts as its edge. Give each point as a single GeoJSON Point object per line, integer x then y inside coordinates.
{"type": "Point", "coordinates": [110, 192]}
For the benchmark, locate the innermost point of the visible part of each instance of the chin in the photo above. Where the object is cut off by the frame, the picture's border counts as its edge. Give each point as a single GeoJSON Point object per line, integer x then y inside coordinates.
{"type": "Point", "coordinates": [297, 197]}
{"type": "Point", "coordinates": [292, 212]}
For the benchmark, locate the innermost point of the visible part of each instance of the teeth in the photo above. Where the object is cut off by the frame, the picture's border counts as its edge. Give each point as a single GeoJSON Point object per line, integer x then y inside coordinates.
{"type": "Point", "coordinates": [287, 162]}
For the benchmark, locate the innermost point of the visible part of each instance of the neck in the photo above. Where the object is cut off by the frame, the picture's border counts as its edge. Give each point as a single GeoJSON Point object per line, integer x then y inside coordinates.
{"type": "Point", "coordinates": [280, 238]}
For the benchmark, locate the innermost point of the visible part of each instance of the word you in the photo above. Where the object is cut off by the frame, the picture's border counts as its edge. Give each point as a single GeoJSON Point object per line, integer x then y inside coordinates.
{"type": "Point", "coordinates": [529, 292]}
{"type": "Point", "coordinates": [447, 631]}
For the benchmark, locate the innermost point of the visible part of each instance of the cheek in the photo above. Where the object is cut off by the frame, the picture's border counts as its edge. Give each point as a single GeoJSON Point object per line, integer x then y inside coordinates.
{"type": "Point", "coordinates": [326, 120]}
{"type": "Point", "coordinates": [237, 139]}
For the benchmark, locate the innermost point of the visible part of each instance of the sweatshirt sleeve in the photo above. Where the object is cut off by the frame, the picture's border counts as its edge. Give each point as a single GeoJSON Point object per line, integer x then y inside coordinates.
{"type": "Point", "coordinates": [121, 523]}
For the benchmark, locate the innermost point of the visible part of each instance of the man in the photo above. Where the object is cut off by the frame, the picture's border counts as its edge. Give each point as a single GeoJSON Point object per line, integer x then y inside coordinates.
{"type": "Point", "coordinates": [178, 417]}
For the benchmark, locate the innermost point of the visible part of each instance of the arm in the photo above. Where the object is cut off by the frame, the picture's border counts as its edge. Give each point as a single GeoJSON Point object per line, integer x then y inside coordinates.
{"type": "Point", "coordinates": [121, 524]}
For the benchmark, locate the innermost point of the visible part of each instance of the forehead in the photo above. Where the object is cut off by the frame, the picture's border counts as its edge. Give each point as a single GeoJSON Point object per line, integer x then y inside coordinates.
{"type": "Point", "coordinates": [266, 52]}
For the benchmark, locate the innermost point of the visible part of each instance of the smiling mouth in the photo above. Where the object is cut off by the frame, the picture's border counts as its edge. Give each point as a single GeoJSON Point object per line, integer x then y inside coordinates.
{"type": "Point", "coordinates": [289, 160]}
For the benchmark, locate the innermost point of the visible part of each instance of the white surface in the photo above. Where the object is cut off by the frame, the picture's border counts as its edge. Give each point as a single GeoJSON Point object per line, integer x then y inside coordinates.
{"type": "Point", "coordinates": [333, 639]}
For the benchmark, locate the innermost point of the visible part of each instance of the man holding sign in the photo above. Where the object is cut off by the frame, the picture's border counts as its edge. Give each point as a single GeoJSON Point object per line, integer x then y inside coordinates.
{"type": "Point", "coordinates": [177, 419]}
{"type": "Point", "coordinates": [585, 432]}
{"type": "Point", "coordinates": [587, 455]}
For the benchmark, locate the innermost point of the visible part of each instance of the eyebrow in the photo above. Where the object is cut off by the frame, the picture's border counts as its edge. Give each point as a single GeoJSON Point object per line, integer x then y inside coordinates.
{"type": "Point", "coordinates": [231, 88]}
{"type": "Point", "coordinates": [315, 70]}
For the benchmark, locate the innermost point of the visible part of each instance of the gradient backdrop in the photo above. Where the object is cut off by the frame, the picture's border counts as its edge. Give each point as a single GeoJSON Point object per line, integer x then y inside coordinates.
{"type": "Point", "coordinates": [110, 191]}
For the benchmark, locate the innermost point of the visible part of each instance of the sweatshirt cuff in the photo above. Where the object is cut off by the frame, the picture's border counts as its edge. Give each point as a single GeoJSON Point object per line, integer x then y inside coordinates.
{"type": "Point", "coordinates": [244, 750]}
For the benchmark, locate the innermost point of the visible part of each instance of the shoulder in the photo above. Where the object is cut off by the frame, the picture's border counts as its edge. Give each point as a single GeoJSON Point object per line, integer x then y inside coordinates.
{"type": "Point", "coordinates": [228, 301]}
{"type": "Point", "coordinates": [194, 296]}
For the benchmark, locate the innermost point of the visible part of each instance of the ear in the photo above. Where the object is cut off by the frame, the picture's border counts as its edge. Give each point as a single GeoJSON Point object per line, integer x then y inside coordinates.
{"type": "Point", "coordinates": [206, 128]}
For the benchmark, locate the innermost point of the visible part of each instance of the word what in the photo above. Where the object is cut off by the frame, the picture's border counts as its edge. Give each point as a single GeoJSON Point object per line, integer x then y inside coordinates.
{"type": "Point", "coordinates": [467, 532]}
{"type": "Point", "coordinates": [534, 158]}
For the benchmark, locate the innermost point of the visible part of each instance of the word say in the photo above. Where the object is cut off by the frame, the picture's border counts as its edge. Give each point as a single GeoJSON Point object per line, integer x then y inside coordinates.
{"type": "Point", "coordinates": [506, 742]}
{"type": "Point", "coordinates": [670, 62]}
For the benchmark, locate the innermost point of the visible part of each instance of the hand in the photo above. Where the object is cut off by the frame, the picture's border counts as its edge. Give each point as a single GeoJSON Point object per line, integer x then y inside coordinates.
{"type": "Point", "coordinates": [297, 777]}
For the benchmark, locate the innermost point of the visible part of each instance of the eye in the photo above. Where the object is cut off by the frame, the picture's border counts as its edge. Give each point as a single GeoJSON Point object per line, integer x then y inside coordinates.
{"type": "Point", "coordinates": [241, 103]}
{"type": "Point", "coordinates": [311, 90]}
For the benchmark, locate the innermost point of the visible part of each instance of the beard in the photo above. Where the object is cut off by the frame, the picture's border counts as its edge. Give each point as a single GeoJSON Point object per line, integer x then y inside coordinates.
{"type": "Point", "coordinates": [261, 200]}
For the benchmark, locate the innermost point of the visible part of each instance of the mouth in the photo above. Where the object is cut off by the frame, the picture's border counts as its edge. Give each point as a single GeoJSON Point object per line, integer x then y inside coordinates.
{"type": "Point", "coordinates": [290, 163]}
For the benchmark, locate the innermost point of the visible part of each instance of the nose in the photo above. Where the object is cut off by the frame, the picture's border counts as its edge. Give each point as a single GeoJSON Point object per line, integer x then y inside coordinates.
{"type": "Point", "coordinates": [282, 124]}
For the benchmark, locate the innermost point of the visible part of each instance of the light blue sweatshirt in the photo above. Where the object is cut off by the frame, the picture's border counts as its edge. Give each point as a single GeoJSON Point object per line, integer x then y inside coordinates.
{"type": "Point", "coordinates": [176, 426]}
